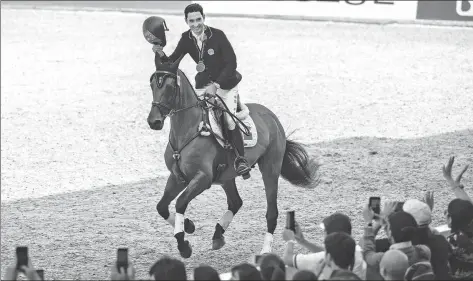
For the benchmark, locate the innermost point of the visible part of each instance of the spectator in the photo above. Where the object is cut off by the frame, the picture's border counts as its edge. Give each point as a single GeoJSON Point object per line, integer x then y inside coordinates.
{"type": "Point", "coordinates": [420, 271]}
{"type": "Point", "coordinates": [460, 221]}
{"type": "Point", "coordinates": [205, 272]}
{"type": "Point", "coordinates": [272, 268]}
{"type": "Point", "coordinates": [245, 271]}
{"type": "Point", "coordinates": [336, 222]}
{"type": "Point", "coordinates": [438, 244]}
{"type": "Point", "coordinates": [29, 271]}
{"type": "Point", "coordinates": [168, 268]}
{"type": "Point", "coordinates": [400, 227]}
{"type": "Point", "coordinates": [393, 265]}
{"type": "Point", "coordinates": [339, 257]}
{"type": "Point", "coordinates": [304, 275]}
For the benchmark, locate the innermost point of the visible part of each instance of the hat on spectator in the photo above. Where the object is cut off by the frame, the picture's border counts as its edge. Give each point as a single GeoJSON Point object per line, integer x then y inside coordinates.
{"type": "Point", "coordinates": [337, 222]}
{"type": "Point", "coordinates": [420, 271]}
{"type": "Point", "coordinates": [419, 210]}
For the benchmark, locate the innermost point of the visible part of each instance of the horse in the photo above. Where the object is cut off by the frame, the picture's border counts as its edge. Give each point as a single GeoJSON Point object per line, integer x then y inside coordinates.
{"type": "Point", "coordinates": [196, 161]}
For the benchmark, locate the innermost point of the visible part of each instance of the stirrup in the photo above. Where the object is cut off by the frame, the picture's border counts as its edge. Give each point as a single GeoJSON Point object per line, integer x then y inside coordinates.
{"type": "Point", "coordinates": [239, 161]}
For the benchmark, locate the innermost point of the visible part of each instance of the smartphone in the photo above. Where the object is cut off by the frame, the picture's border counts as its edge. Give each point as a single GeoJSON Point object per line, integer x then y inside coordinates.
{"type": "Point", "coordinates": [258, 258]}
{"type": "Point", "coordinates": [122, 258]}
{"type": "Point", "coordinates": [40, 273]}
{"type": "Point", "coordinates": [375, 204]}
{"type": "Point", "coordinates": [290, 220]}
{"type": "Point", "coordinates": [21, 257]}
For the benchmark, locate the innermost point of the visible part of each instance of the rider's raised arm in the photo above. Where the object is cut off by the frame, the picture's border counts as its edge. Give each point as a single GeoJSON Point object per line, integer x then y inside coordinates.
{"type": "Point", "coordinates": [180, 50]}
{"type": "Point", "coordinates": [229, 59]}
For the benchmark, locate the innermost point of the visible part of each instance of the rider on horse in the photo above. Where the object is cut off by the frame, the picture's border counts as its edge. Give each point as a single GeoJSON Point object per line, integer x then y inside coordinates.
{"type": "Point", "coordinates": [216, 66]}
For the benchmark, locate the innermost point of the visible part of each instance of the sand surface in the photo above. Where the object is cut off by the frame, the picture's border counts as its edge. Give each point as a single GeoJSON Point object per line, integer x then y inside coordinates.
{"type": "Point", "coordinates": [82, 172]}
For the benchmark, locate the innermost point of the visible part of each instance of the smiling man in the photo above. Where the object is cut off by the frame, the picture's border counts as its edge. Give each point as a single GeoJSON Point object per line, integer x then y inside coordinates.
{"type": "Point", "coordinates": [216, 70]}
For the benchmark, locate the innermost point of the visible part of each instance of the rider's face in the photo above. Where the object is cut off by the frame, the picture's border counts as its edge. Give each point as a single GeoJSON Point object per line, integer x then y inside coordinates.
{"type": "Point", "coordinates": [195, 20]}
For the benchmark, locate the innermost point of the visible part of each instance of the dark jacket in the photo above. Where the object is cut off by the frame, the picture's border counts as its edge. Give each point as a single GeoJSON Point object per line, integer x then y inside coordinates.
{"type": "Point", "coordinates": [219, 58]}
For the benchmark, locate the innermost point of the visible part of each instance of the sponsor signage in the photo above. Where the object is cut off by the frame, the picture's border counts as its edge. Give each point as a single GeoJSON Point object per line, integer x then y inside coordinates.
{"type": "Point", "coordinates": [457, 10]}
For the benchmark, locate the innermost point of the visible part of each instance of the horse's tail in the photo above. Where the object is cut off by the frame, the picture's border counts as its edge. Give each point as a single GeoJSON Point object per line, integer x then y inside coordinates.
{"type": "Point", "coordinates": [297, 167]}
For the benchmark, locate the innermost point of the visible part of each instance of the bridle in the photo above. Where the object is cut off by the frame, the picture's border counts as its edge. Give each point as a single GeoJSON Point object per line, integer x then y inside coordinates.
{"type": "Point", "coordinates": [159, 81]}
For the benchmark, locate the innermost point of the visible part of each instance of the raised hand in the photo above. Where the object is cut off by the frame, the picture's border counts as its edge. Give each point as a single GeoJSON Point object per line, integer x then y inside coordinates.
{"type": "Point", "coordinates": [429, 199]}
{"type": "Point", "coordinates": [447, 174]}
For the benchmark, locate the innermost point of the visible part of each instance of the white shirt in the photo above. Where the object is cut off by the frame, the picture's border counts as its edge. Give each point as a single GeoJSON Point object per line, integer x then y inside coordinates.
{"type": "Point", "coordinates": [314, 262]}
{"type": "Point", "coordinates": [199, 38]}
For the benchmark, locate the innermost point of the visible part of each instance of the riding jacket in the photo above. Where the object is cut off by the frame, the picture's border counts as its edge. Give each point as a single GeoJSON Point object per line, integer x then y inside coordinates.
{"type": "Point", "coordinates": [218, 56]}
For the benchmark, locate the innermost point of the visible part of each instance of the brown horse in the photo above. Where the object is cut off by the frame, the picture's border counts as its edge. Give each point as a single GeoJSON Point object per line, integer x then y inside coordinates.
{"type": "Point", "coordinates": [196, 162]}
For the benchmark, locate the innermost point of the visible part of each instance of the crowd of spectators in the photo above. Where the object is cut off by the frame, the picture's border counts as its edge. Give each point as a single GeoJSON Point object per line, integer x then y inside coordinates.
{"type": "Point", "coordinates": [413, 249]}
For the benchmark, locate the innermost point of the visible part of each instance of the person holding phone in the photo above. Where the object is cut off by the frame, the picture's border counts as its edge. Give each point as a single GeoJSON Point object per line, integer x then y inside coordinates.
{"type": "Point", "coordinates": [400, 227]}
{"type": "Point", "coordinates": [23, 265]}
{"type": "Point", "coordinates": [314, 262]}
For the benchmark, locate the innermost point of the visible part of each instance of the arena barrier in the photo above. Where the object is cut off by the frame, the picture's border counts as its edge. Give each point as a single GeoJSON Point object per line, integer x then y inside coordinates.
{"type": "Point", "coordinates": [442, 229]}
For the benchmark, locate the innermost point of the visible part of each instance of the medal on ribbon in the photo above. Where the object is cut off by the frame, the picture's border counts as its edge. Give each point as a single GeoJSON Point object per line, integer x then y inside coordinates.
{"type": "Point", "coordinates": [200, 67]}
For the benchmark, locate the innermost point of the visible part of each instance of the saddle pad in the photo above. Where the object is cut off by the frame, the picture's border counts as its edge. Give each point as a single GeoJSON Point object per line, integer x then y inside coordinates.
{"type": "Point", "coordinates": [248, 141]}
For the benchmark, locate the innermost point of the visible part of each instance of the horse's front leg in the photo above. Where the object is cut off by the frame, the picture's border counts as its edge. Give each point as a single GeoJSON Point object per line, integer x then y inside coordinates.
{"type": "Point", "coordinates": [234, 202]}
{"type": "Point", "coordinates": [173, 188]}
{"type": "Point", "coordinates": [196, 186]}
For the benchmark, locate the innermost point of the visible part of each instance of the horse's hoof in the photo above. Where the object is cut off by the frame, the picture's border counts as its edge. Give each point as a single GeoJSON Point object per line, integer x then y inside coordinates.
{"type": "Point", "coordinates": [189, 226]}
{"type": "Point", "coordinates": [218, 243]}
{"type": "Point", "coordinates": [185, 249]}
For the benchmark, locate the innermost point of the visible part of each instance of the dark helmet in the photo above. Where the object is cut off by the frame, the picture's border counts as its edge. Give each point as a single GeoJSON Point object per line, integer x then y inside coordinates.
{"type": "Point", "coordinates": [154, 30]}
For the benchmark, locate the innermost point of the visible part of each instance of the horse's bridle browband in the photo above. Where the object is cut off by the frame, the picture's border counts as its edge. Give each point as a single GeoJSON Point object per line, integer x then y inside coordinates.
{"type": "Point", "coordinates": [178, 92]}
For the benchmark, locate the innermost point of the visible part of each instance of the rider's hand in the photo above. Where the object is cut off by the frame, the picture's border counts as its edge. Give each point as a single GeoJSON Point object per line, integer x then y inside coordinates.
{"type": "Point", "coordinates": [211, 89]}
{"type": "Point", "coordinates": [158, 49]}
{"type": "Point", "coordinates": [447, 174]}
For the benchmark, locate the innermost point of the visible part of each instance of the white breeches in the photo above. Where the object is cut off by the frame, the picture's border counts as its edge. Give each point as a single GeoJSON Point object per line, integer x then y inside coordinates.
{"type": "Point", "coordinates": [230, 97]}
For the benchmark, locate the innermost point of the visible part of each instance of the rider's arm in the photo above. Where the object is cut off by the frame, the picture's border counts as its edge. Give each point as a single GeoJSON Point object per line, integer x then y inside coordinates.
{"type": "Point", "coordinates": [229, 58]}
{"type": "Point", "coordinates": [180, 50]}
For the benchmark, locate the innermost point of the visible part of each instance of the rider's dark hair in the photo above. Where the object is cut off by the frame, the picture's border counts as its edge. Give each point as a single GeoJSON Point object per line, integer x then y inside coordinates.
{"type": "Point", "coordinates": [194, 7]}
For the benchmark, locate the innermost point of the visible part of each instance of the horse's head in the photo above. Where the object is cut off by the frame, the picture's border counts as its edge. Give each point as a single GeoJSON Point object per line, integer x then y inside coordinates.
{"type": "Point", "coordinates": [165, 92]}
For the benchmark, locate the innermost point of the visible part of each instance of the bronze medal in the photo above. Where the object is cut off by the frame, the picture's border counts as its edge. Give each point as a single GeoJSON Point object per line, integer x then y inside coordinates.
{"type": "Point", "coordinates": [200, 67]}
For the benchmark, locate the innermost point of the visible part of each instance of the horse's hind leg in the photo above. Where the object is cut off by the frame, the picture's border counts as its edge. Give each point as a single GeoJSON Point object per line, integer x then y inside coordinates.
{"type": "Point", "coordinates": [234, 204]}
{"type": "Point", "coordinates": [270, 167]}
{"type": "Point", "coordinates": [173, 188]}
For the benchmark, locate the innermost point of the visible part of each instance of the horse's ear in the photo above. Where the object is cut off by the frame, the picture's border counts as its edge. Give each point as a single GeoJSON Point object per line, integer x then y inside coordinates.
{"type": "Point", "coordinates": [175, 64]}
{"type": "Point", "coordinates": [157, 60]}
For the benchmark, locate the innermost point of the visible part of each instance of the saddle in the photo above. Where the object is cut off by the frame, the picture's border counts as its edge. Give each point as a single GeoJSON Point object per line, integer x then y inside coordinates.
{"type": "Point", "coordinates": [216, 123]}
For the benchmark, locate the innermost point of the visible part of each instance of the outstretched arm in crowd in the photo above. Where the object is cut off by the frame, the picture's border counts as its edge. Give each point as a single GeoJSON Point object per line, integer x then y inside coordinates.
{"type": "Point", "coordinates": [290, 258]}
{"type": "Point", "coordinates": [455, 185]}
{"type": "Point", "coordinates": [29, 271]}
{"type": "Point", "coordinates": [368, 243]}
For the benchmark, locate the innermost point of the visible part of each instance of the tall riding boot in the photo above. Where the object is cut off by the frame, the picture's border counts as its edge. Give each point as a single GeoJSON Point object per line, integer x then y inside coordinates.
{"type": "Point", "coordinates": [241, 164]}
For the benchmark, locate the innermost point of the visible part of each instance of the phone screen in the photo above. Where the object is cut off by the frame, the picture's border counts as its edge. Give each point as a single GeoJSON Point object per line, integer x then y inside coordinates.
{"type": "Point", "coordinates": [257, 259]}
{"type": "Point", "coordinates": [21, 257]}
{"type": "Point", "coordinates": [40, 273]}
{"type": "Point", "coordinates": [122, 258]}
{"type": "Point", "coordinates": [375, 204]}
{"type": "Point", "coordinates": [290, 220]}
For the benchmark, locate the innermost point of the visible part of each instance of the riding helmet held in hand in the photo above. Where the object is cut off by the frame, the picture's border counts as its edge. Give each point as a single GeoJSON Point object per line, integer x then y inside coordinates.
{"type": "Point", "coordinates": [154, 30]}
